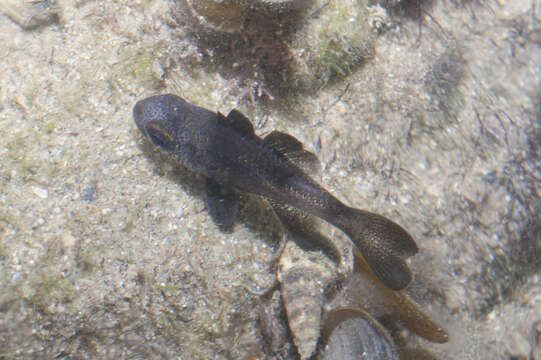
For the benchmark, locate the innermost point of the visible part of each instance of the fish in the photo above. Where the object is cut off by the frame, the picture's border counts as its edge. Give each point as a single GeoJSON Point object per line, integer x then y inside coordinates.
{"type": "Point", "coordinates": [226, 151]}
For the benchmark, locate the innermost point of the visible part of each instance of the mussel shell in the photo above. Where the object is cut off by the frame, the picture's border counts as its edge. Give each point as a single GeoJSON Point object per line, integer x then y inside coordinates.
{"type": "Point", "coordinates": [351, 334]}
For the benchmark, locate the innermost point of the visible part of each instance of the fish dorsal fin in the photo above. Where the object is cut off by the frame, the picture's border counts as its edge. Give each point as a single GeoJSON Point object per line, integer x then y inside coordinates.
{"type": "Point", "coordinates": [292, 149]}
{"type": "Point", "coordinates": [282, 142]}
{"type": "Point", "coordinates": [237, 121]}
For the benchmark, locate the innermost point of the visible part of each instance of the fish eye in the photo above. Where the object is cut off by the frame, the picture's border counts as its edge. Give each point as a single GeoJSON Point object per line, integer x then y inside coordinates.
{"type": "Point", "coordinates": [159, 136]}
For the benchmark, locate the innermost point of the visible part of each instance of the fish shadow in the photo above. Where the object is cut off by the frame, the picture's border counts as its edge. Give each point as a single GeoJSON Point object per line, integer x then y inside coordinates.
{"type": "Point", "coordinates": [255, 213]}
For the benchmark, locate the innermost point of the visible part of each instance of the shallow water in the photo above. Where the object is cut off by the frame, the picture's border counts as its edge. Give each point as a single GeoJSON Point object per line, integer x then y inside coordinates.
{"type": "Point", "coordinates": [106, 248]}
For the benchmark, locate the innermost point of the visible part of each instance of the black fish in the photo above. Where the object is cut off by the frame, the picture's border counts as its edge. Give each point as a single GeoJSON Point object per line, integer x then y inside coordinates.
{"type": "Point", "coordinates": [233, 158]}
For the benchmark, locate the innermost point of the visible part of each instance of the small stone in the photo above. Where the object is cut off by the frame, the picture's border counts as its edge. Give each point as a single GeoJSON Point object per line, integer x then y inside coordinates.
{"type": "Point", "coordinates": [378, 18]}
{"type": "Point", "coordinates": [518, 346]}
{"type": "Point", "coordinates": [68, 240]}
{"type": "Point", "coordinates": [40, 192]}
{"type": "Point", "coordinates": [536, 353]}
{"type": "Point", "coordinates": [454, 297]}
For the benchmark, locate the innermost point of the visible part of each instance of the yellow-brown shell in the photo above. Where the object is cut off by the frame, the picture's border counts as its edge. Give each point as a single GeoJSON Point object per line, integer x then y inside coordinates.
{"type": "Point", "coordinates": [303, 278]}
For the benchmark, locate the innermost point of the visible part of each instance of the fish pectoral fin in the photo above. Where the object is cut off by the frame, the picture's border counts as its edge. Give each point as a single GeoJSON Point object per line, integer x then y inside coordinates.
{"type": "Point", "coordinates": [222, 204]}
{"type": "Point", "coordinates": [282, 142]}
{"type": "Point", "coordinates": [291, 148]}
{"type": "Point", "coordinates": [238, 122]}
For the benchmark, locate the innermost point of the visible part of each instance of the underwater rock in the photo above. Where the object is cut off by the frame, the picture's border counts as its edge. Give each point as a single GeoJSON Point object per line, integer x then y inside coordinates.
{"type": "Point", "coordinates": [281, 5]}
{"type": "Point", "coordinates": [378, 17]}
{"type": "Point", "coordinates": [225, 15]}
{"type": "Point", "coordinates": [536, 353]}
{"type": "Point", "coordinates": [335, 41]}
{"type": "Point", "coordinates": [230, 15]}
{"type": "Point", "coordinates": [31, 14]}
{"type": "Point", "coordinates": [284, 45]}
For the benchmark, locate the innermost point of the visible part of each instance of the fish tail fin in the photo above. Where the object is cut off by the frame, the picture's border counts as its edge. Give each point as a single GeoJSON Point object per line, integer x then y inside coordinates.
{"type": "Point", "coordinates": [383, 244]}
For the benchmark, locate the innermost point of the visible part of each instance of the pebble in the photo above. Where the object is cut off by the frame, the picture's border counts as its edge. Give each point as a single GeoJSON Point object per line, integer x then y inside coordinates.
{"type": "Point", "coordinates": [536, 352]}
{"type": "Point", "coordinates": [40, 192]}
{"type": "Point", "coordinates": [68, 241]}
{"type": "Point", "coordinates": [518, 346]}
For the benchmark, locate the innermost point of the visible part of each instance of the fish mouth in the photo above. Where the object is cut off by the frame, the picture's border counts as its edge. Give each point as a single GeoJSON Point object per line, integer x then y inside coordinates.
{"type": "Point", "coordinates": [139, 111]}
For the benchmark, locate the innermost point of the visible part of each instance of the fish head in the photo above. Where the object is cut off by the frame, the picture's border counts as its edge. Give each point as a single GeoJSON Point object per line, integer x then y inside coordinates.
{"type": "Point", "coordinates": [161, 119]}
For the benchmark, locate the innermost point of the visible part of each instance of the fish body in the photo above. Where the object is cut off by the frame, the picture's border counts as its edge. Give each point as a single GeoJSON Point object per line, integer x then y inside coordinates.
{"type": "Point", "coordinates": [226, 150]}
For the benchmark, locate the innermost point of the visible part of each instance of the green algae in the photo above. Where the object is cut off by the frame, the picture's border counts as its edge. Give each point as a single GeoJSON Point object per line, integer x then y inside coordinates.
{"type": "Point", "coordinates": [336, 43]}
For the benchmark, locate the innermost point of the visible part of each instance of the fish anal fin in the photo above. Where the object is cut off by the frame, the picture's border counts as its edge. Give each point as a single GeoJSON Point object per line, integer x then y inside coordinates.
{"type": "Point", "coordinates": [292, 149]}
{"type": "Point", "coordinates": [238, 122]}
{"type": "Point", "coordinates": [222, 204]}
{"type": "Point", "coordinates": [403, 309]}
